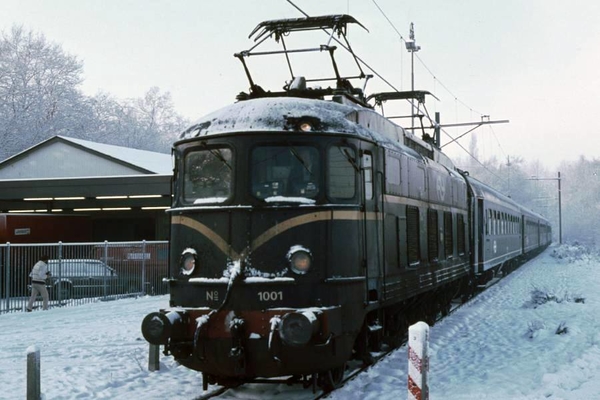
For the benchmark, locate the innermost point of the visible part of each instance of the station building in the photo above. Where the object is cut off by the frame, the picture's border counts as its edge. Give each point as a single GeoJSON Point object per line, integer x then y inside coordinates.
{"type": "Point", "coordinates": [123, 191]}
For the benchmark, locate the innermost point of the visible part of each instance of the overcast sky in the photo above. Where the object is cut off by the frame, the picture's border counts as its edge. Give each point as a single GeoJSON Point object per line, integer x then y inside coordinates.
{"type": "Point", "coordinates": [533, 62]}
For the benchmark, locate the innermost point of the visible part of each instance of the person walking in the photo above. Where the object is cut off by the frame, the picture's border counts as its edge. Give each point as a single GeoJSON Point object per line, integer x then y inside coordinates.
{"type": "Point", "coordinates": [38, 275]}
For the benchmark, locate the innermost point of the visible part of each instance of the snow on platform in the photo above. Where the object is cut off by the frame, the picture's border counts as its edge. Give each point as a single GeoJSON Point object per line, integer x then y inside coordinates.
{"type": "Point", "coordinates": [502, 345]}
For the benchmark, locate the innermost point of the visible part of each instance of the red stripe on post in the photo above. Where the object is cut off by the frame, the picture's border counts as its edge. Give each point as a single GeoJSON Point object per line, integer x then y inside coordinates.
{"type": "Point", "coordinates": [414, 389]}
{"type": "Point", "coordinates": [418, 361]}
{"type": "Point", "coordinates": [415, 360]}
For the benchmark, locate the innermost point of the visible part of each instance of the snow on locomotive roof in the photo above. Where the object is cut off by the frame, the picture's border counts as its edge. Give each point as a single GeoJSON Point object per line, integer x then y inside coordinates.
{"type": "Point", "coordinates": [285, 113]}
{"type": "Point", "coordinates": [276, 113]}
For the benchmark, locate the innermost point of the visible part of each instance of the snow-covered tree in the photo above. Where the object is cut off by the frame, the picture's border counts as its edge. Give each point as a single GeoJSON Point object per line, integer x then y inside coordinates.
{"type": "Point", "coordinates": [157, 123]}
{"type": "Point", "coordinates": [39, 97]}
{"type": "Point", "coordinates": [581, 200]}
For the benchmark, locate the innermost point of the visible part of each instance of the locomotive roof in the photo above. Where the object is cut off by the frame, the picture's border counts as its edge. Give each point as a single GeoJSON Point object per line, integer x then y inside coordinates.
{"type": "Point", "coordinates": [282, 114]}
{"type": "Point", "coordinates": [277, 114]}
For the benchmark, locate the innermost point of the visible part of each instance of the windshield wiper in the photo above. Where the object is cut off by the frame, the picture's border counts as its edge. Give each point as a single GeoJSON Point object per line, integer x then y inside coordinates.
{"type": "Point", "coordinates": [217, 153]}
{"type": "Point", "coordinates": [295, 153]}
{"type": "Point", "coordinates": [351, 160]}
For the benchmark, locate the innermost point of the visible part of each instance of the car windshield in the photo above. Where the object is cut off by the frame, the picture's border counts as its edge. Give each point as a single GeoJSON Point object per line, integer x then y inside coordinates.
{"type": "Point", "coordinates": [79, 268]}
{"type": "Point", "coordinates": [207, 176]}
{"type": "Point", "coordinates": [282, 173]}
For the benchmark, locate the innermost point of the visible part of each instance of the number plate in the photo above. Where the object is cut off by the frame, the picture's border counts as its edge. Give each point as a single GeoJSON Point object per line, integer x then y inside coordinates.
{"type": "Point", "coordinates": [270, 296]}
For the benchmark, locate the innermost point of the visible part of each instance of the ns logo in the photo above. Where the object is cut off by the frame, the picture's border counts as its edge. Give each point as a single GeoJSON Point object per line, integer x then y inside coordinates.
{"type": "Point", "coordinates": [441, 188]}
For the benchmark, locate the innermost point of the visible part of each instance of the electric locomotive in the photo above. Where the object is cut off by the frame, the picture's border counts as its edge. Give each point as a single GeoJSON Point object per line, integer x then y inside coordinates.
{"type": "Point", "coordinates": [306, 229]}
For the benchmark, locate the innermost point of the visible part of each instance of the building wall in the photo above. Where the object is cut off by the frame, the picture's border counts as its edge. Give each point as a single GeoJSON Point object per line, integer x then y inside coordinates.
{"type": "Point", "coordinates": [62, 160]}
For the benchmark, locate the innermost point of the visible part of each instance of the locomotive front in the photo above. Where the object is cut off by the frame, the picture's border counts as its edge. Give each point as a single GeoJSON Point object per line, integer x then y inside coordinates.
{"type": "Point", "coordinates": [266, 249]}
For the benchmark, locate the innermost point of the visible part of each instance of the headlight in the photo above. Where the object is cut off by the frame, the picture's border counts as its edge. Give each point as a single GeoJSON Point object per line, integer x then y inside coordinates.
{"type": "Point", "coordinates": [188, 262]}
{"type": "Point", "coordinates": [298, 328]}
{"type": "Point", "coordinates": [300, 259]}
{"type": "Point", "coordinates": [305, 126]}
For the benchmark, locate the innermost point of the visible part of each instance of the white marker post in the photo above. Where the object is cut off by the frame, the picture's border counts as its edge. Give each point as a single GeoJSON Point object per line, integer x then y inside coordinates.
{"type": "Point", "coordinates": [33, 373]}
{"type": "Point", "coordinates": [153, 358]}
{"type": "Point", "coordinates": [418, 361]}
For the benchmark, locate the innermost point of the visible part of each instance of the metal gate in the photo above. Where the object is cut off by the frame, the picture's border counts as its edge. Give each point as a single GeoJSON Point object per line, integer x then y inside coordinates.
{"type": "Point", "coordinates": [83, 272]}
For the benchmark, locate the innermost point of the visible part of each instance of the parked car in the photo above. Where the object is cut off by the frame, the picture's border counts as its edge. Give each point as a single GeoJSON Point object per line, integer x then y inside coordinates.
{"type": "Point", "coordinates": [77, 278]}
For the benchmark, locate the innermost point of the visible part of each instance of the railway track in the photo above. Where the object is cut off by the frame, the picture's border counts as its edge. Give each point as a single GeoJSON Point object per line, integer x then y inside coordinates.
{"type": "Point", "coordinates": [355, 368]}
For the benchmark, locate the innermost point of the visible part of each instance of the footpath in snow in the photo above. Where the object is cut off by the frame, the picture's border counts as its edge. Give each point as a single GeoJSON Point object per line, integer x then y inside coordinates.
{"type": "Point", "coordinates": [534, 335]}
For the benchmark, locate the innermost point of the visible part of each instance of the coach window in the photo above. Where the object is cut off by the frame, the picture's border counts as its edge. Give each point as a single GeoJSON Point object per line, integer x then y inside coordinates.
{"type": "Point", "coordinates": [497, 222]}
{"type": "Point", "coordinates": [342, 168]}
{"type": "Point", "coordinates": [367, 164]}
{"type": "Point", "coordinates": [207, 176]}
{"type": "Point", "coordinates": [499, 216]}
{"type": "Point", "coordinates": [496, 231]}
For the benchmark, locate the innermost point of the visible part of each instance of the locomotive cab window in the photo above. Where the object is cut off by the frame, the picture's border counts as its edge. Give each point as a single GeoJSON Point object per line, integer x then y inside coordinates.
{"type": "Point", "coordinates": [342, 172]}
{"type": "Point", "coordinates": [207, 176]}
{"type": "Point", "coordinates": [285, 171]}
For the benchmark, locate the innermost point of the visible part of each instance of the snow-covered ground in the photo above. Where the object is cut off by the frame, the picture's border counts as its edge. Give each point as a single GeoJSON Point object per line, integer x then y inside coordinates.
{"type": "Point", "coordinates": [502, 345]}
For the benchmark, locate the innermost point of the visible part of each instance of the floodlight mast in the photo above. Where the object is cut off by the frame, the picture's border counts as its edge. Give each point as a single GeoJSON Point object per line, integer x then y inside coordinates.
{"type": "Point", "coordinates": [412, 48]}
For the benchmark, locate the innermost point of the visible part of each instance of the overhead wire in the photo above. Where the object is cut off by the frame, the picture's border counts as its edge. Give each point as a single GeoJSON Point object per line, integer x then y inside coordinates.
{"type": "Point", "coordinates": [349, 50]}
{"type": "Point", "coordinates": [394, 88]}
{"type": "Point", "coordinates": [498, 141]}
{"type": "Point", "coordinates": [423, 62]}
{"type": "Point", "coordinates": [456, 99]}
{"type": "Point", "coordinates": [444, 86]}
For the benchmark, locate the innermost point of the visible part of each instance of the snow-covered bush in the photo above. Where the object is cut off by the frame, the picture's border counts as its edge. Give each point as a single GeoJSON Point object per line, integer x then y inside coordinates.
{"type": "Point", "coordinates": [573, 252]}
{"type": "Point", "coordinates": [562, 329]}
{"type": "Point", "coordinates": [534, 327]}
{"type": "Point", "coordinates": [543, 296]}
{"type": "Point", "coordinates": [540, 297]}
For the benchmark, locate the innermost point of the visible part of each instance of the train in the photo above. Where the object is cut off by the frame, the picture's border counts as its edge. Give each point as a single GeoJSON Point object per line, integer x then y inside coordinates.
{"type": "Point", "coordinates": [308, 230]}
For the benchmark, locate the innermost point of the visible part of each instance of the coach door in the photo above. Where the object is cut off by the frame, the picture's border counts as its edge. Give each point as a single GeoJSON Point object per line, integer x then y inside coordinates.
{"type": "Point", "coordinates": [371, 225]}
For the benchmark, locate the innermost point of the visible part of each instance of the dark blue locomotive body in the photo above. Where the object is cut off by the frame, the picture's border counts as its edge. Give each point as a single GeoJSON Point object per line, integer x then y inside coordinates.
{"type": "Point", "coordinates": [307, 232]}
{"type": "Point", "coordinates": [276, 272]}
